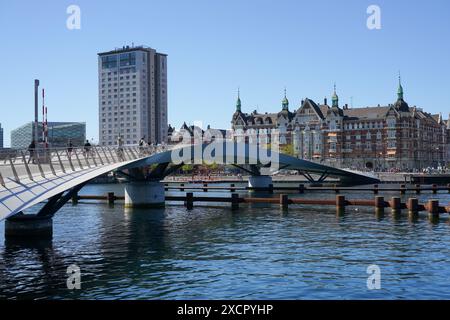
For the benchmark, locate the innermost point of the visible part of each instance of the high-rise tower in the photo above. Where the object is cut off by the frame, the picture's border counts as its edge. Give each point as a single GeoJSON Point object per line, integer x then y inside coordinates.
{"type": "Point", "coordinates": [132, 95]}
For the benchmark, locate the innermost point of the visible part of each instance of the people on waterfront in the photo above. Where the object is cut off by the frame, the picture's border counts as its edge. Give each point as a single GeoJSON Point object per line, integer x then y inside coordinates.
{"type": "Point", "coordinates": [32, 151]}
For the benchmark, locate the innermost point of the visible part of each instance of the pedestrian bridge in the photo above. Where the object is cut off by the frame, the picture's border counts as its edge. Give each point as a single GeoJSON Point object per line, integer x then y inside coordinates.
{"type": "Point", "coordinates": [56, 174]}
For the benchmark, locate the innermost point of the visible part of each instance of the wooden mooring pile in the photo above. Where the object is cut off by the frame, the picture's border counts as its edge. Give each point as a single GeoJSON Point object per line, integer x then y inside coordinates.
{"type": "Point", "coordinates": [340, 202]}
{"type": "Point", "coordinates": [301, 188]}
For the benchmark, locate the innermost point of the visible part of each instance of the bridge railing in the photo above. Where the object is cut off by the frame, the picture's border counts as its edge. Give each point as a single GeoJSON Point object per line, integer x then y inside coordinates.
{"type": "Point", "coordinates": [21, 164]}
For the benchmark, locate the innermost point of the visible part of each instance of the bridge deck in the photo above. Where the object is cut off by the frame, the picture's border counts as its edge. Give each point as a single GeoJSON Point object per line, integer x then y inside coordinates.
{"type": "Point", "coordinates": [53, 172]}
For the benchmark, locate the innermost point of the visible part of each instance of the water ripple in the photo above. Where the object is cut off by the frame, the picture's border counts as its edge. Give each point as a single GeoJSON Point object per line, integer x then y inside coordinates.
{"type": "Point", "coordinates": [259, 252]}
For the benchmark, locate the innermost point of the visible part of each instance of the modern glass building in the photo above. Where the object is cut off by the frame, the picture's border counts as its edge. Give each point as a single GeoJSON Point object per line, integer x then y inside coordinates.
{"type": "Point", "coordinates": [1, 136]}
{"type": "Point", "coordinates": [59, 134]}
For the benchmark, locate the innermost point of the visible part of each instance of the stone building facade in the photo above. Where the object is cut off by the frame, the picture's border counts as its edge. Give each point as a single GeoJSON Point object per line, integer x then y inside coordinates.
{"type": "Point", "coordinates": [381, 137]}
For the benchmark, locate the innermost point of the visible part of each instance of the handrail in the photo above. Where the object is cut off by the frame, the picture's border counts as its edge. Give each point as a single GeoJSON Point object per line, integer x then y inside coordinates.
{"type": "Point", "coordinates": [17, 164]}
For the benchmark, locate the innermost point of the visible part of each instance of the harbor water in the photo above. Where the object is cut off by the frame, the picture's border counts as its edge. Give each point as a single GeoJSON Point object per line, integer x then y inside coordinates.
{"type": "Point", "coordinates": [212, 252]}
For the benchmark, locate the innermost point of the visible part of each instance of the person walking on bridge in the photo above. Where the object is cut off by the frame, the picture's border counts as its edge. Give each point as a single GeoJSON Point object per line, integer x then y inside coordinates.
{"type": "Point", "coordinates": [141, 146]}
{"type": "Point", "coordinates": [87, 148]}
{"type": "Point", "coordinates": [120, 148]}
{"type": "Point", "coordinates": [70, 148]}
{"type": "Point", "coordinates": [32, 151]}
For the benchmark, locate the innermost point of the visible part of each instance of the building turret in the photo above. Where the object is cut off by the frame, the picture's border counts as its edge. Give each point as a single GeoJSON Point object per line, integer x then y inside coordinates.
{"type": "Point", "coordinates": [400, 89]}
{"type": "Point", "coordinates": [335, 98]}
{"type": "Point", "coordinates": [285, 102]}
{"type": "Point", "coordinates": [401, 105]}
{"type": "Point", "coordinates": [238, 102]}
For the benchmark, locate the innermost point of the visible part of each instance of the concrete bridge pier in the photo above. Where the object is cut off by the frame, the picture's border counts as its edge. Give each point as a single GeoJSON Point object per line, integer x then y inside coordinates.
{"type": "Point", "coordinates": [259, 181]}
{"type": "Point", "coordinates": [145, 194]}
{"type": "Point", "coordinates": [29, 225]}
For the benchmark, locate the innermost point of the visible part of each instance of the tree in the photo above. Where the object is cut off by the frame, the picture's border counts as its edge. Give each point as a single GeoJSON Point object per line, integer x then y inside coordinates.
{"type": "Point", "coordinates": [287, 149]}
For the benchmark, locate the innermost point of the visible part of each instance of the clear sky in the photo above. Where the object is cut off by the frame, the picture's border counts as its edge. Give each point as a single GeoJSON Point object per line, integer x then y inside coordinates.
{"type": "Point", "coordinates": [216, 46]}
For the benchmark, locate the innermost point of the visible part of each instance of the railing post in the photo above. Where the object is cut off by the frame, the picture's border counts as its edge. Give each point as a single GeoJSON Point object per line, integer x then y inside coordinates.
{"type": "Point", "coordinates": [60, 162]}
{"type": "Point", "coordinates": [232, 189]}
{"type": "Point", "coordinates": [417, 188]}
{"type": "Point", "coordinates": [16, 177]}
{"type": "Point", "coordinates": [181, 186]}
{"type": "Point", "coordinates": [92, 153]}
{"type": "Point", "coordinates": [126, 153]}
{"type": "Point", "coordinates": [51, 164]}
{"type": "Point", "coordinates": [112, 155]}
{"type": "Point", "coordinates": [205, 185]}
{"type": "Point", "coordinates": [106, 156]}
{"type": "Point", "coordinates": [2, 182]}
{"type": "Point", "coordinates": [271, 188]}
{"type": "Point", "coordinates": [448, 187]}
{"type": "Point", "coordinates": [69, 158]}
{"type": "Point", "coordinates": [375, 189]}
{"type": "Point", "coordinates": [78, 159]}
{"type": "Point", "coordinates": [27, 168]}
{"type": "Point", "coordinates": [99, 157]}
{"type": "Point", "coordinates": [133, 154]}
{"type": "Point", "coordinates": [39, 163]}
{"type": "Point", "coordinates": [234, 201]}
{"type": "Point", "coordinates": [86, 158]}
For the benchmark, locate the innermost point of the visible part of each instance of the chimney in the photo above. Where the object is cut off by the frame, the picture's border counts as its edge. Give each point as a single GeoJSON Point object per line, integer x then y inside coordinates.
{"type": "Point", "coordinates": [325, 101]}
{"type": "Point", "coordinates": [346, 106]}
{"type": "Point", "coordinates": [36, 112]}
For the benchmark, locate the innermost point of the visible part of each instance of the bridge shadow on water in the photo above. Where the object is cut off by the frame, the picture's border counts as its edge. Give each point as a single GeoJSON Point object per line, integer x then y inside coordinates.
{"type": "Point", "coordinates": [22, 256]}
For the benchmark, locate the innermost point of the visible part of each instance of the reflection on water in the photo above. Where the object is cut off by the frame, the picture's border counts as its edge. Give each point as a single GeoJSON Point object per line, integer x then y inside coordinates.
{"type": "Point", "coordinates": [213, 253]}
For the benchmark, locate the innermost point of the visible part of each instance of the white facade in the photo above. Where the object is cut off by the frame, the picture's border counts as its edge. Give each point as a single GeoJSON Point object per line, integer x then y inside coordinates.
{"type": "Point", "coordinates": [132, 96]}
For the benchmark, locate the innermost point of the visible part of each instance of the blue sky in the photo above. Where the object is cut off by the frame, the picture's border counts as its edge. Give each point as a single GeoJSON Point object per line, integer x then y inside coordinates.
{"type": "Point", "coordinates": [216, 46]}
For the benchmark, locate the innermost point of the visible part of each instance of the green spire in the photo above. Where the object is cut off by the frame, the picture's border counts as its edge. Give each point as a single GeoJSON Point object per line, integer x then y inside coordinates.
{"type": "Point", "coordinates": [335, 98]}
{"type": "Point", "coordinates": [285, 102]}
{"type": "Point", "coordinates": [400, 88]}
{"type": "Point", "coordinates": [238, 102]}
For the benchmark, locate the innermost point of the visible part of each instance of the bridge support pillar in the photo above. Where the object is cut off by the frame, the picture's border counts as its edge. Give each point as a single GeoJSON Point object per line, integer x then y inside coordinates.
{"type": "Point", "coordinates": [145, 194]}
{"type": "Point", "coordinates": [257, 182]}
{"type": "Point", "coordinates": [29, 225]}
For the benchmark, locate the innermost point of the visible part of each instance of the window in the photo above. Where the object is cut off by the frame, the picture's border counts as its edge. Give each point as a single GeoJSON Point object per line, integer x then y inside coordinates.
{"type": "Point", "coordinates": [127, 59]}
{"type": "Point", "coordinates": [391, 123]}
{"type": "Point", "coordinates": [109, 62]}
{"type": "Point", "coordinates": [391, 134]}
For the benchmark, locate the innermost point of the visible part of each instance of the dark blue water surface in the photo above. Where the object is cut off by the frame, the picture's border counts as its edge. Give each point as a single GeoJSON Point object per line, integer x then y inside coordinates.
{"type": "Point", "coordinates": [258, 252]}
